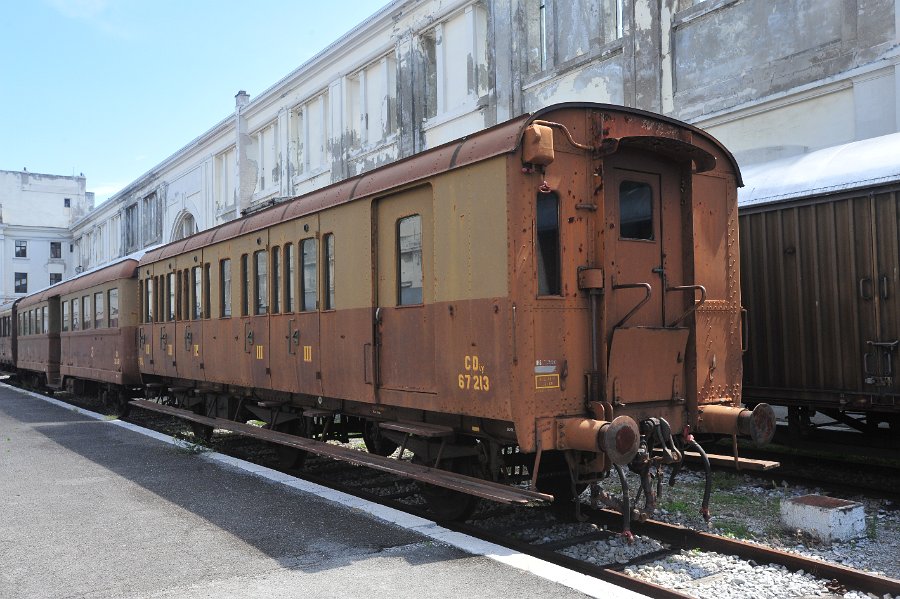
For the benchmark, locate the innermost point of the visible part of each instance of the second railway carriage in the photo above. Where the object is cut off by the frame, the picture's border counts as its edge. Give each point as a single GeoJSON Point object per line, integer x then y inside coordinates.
{"type": "Point", "coordinates": [821, 277]}
{"type": "Point", "coordinates": [79, 335]}
{"type": "Point", "coordinates": [98, 314]}
{"type": "Point", "coordinates": [558, 295]}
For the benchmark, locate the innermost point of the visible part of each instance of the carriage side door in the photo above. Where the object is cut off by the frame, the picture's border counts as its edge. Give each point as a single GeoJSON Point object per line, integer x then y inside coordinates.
{"type": "Point", "coordinates": [404, 322]}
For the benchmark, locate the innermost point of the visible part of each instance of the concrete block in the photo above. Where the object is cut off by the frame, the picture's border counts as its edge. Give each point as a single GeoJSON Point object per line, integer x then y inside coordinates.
{"type": "Point", "coordinates": [827, 518]}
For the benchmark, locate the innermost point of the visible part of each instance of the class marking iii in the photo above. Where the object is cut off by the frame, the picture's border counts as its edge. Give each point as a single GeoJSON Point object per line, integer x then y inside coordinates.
{"type": "Point", "coordinates": [473, 379]}
{"type": "Point", "coordinates": [196, 351]}
{"type": "Point", "coordinates": [169, 349]}
{"type": "Point", "coordinates": [116, 360]}
{"type": "Point", "coordinates": [147, 349]}
{"type": "Point", "coordinates": [307, 353]}
{"type": "Point", "coordinates": [259, 352]}
{"type": "Point", "coordinates": [546, 381]}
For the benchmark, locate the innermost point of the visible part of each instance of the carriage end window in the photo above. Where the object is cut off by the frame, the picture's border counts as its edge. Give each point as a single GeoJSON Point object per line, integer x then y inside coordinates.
{"type": "Point", "coordinates": [635, 210]}
{"type": "Point", "coordinates": [547, 240]}
{"type": "Point", "coordinates": [409, 258]}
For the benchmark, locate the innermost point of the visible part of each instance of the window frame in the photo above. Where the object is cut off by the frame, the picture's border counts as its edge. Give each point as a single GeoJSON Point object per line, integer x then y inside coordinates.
{"type": "Point", "coordinates": [111, 293]}
{"type": "Point", "coordinates": [225, 307]}
{"type": "Point", "coordinates": [328, 272]}
{"type": "Point", "coordinates": [304, 290]}
{"type": "Point", "coordinates": [399, 262]}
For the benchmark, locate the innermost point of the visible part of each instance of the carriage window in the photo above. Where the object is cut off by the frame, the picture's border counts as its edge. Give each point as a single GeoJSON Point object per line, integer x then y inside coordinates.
{"type": "Point", "coordinates": [99, 314]}
{"type": "Point", "coordinates": [171, 290]}
{"type": "Point", "coordinates": [260, 282]}
{"type": "Point", "coordinates": [86, 312]}
{"type": "Point", "coordinates": [289, 277]}
{"type": "Point", "coordinates": [148, 300]}
{"type": "Point", "coordinates": [76, 314]}
{"type": "Point", "coordinates": [225, 288]}
{"type": "Point", "coordinates": [207, 308]}
{"type": "Point", "coordinates": [113, 297]}
{"type": "Point", "coordinates": [46, 320]}
{"type": "Point", "coordinates": [329, 271]}
{"type": "Point", "coordinates": [547, 240]}
{"type": "Point", "coordinates": [276, 280]}
{"type": "Point", "coordinates": [197, 292]}
{"type": "Point", "coordinates": [308, 284]}
{"type": "Point", "coordinates": [635, 210]}
{"type": "Point", "coordinates": [245, 286]}
{"type": "Point", "coordinates": [409, 258]}
{"type": "Point", "coordinates": [186, 299]}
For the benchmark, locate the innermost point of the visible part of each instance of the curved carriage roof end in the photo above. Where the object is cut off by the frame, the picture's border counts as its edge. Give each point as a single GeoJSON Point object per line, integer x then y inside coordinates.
{"type": "Point", "coordinates": [121, 268]}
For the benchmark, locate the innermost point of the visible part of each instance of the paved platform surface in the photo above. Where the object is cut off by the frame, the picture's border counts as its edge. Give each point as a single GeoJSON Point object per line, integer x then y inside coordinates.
{"type": "Point", "coordinates": [93, 508]}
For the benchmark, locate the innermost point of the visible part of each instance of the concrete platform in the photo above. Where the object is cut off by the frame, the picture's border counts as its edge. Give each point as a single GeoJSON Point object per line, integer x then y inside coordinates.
{"type": "Point", "coordinates": [95, 508]}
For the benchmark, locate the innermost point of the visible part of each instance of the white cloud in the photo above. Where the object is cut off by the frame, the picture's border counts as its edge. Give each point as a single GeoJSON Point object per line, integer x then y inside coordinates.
{"type": "Point", "coordinates": [97, 14]}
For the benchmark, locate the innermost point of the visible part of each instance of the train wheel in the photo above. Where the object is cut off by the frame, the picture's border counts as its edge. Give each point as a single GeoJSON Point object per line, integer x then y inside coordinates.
{"type": "Point", "coordinates": [290, 458]}
{"type": "Point", "coordinates": [204, 432]}
{"type": "Point", "coordinates": [375, 442]}
{"type": "Point", "coordinates": [114, 402]}
{"type": "Point", "coordinates": [554, 478]}
{"type": "Point", "coordinates": [446, 504]}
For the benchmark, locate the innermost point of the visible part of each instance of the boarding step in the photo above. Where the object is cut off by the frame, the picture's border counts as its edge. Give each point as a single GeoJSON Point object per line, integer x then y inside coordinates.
{"type": "Point", "coordinates": [728, 461]}
{"type": "Point", "coordinates": [317, 413]}
{"type": "Point", "coordinates": [418, 429]}
{"type": "Point", "coordinates": [441, 478]}
{"type": "Point", "coordinates": [271, 404]}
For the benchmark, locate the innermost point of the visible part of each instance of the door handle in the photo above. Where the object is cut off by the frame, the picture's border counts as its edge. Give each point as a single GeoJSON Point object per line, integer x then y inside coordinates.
{"type": "Point", "coordinates": [865, 288]}
{"type": "Point", "coordinates": [883, 287]}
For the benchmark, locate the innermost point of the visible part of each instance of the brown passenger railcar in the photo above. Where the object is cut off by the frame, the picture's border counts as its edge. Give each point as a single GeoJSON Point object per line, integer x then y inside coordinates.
{"type": "Point", "coordinates": [559, 292]}
{"type": "Point", "coordinates": [97, 315]}
{"type": "Point", "coordinates": [821, 267]}
{"type": "Point", "coordinates": [80, 334]}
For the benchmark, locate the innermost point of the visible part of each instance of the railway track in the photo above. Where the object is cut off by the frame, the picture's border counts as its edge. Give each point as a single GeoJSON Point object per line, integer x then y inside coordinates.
{"type": "Point", "coordinates": [542, 532]}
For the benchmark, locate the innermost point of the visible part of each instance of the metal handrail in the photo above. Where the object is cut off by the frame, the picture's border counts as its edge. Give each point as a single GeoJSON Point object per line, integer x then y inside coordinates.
{"type": "Point", "coordinates": [646, 287]}
{"type": "Point", "coordinates": [693, 307]}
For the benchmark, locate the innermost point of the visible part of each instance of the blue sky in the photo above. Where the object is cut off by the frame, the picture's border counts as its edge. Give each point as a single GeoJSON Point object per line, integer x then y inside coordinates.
{"type": "Point", "coordinates": [110, 88]}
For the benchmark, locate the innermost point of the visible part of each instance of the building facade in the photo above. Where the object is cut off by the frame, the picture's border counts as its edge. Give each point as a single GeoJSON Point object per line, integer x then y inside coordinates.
{"type": "Point", "coordinates": [770, 78]}
{"type": "Point", "coordinates": [36, 245]}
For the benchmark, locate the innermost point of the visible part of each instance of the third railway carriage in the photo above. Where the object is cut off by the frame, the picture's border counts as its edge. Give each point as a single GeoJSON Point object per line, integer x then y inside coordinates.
{"type": "Point", "coordinates": [821, 281]}
{"type": "Point", "coordinates": [555, 296]}
{"type": "Point", "coordinates": [7, 338]}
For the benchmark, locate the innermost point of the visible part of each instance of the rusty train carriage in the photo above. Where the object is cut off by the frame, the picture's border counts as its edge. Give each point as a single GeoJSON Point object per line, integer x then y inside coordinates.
{"type": "Point", "coordinates": [821, 274]}
{"type": "Point", "coordinates": [550, 299]}
{"type": "Point", "coordinates": [565, 283]}
{"type": "Point", "coordinates": [101, 349]}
